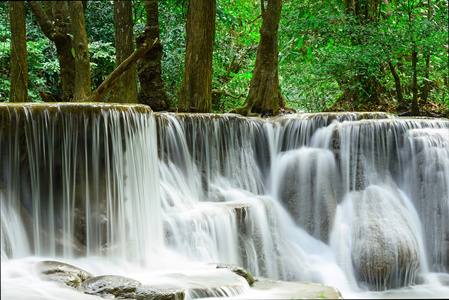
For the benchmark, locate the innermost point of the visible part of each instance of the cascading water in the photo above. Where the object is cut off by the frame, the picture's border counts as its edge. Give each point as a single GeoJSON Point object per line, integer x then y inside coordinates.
{"type": "Point", "coordinates": [339, 199]}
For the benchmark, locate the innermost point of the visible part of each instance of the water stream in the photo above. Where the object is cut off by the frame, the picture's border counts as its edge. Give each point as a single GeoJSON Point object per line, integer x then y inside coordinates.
{"type": "Point", "coordinates": [358, 201]}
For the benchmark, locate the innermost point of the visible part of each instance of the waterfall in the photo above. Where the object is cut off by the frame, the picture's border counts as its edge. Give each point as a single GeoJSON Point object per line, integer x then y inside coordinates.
{"type": "Point", "coordinates": [359, 201]}
{"type": "Point", "coordinates": [84, 179]}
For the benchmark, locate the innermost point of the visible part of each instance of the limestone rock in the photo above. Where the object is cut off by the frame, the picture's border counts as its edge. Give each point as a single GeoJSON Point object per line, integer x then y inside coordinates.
{"type": "Point", "coordinates": [239, 271]}
{"type": "Point", "coordinates": [276, 289]}
{"type": "Point", "coordinates": [61, 272]}
{"type": "Point", "coordinates": [119, 286]}
{"type": "Point", "coordinates": [385, 249]}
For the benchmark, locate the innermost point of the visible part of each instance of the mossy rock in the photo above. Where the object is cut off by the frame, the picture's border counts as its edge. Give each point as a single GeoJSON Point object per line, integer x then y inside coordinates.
{"type": "Point", "coordinates": [239, 271]}
{"type": "Point", "coordinates": [118, 286]}
{"type": "Point", "coordinates": [61, 272]}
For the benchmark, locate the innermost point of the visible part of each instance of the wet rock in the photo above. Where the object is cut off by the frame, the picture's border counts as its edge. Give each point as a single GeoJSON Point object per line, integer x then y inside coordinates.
{"type": "Point", "coordinates": [295, 290]}
{"type": "Point", "coordinates": [157, 293]}
{"type": "Point", "coordinates": [118, 286]}
{"type": "Point", "coordinates": [385, 249]}
{"type": "Point", "coordinates": [61, 272]}
{"type": "Point", "coordinates": [239, 271]}
{"type": "Point", "coordinates": [306, 189]}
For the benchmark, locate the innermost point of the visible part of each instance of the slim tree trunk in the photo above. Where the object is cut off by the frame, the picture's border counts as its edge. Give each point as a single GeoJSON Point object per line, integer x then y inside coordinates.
{"type": "Point", "coordinates": [82, 62]}
{"type": "Point", "coordinates": [414, 109]}
{"type": "Point", "coordinates": [426, 90]}
{"type": "Point", "coordinates": [397, 83]}
{"type": "Point", "coordinates": [152, 86]}
{"type": "Point", "coordinates": [125, 90]}
{"type": "Point", "coordinates": [196, 91]}
{"type": "Point", "coordinates": [264, 95]}
{"type": "Point", "coordinates": [19, 64]}
{"type": "Point", "coordinates": [55, 24]}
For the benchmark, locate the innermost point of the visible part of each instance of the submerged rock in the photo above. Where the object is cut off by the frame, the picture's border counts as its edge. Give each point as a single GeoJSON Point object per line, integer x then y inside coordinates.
{"type": "Point", "coordinates": [61, 272]}
{"type": "Point", "coordinates": [275, 289]}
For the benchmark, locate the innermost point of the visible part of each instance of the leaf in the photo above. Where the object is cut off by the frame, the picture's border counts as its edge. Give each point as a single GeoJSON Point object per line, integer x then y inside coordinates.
{"type": "Point", "coordinates": [301, 41]}
{"type": "Point", "coordinates": [309, 53]}
{"type": "Point", "coordinates": [73, 52]}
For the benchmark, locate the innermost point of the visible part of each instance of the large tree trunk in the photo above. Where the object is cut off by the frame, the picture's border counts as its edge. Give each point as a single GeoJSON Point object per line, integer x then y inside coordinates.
{"type": "Point", "coordinates": [55, 24]}
{"type": "Point", "coordinates": [264, 95]}
{"type": "Point", "coordinates": [196, 91]}
{"type": "Point", "coordinates": [82, 61]}
{"type": "Point", "coordinates": [125, 90]}
{"type": "Point", "coordinates": [19, 64]}
{"type": "Point", "coordinates": [152, 86]}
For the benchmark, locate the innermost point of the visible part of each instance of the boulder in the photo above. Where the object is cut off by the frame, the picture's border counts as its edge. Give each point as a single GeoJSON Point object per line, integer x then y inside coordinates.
{"type": "Point", "coordinates": [239, 271]}
{"type": "Point", "coordinates": [118, 286]}
{"type": "Point", "coordinates": [157, 293]}
{"type": "Point", "coordinates": [385, 248]}
{"type": "Point", "coordinates": [306, 189]}
{"type": "Point", "coordinates": [61, 272]}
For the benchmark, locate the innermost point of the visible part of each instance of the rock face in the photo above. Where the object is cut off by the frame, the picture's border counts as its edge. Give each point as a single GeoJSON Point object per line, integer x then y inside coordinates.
{"type": "Point", "coordinates": [64, 273]}
{"type": "Point", "coordinates": [306, 189]}
{"type": "Point", "coordinates": [385, 250]}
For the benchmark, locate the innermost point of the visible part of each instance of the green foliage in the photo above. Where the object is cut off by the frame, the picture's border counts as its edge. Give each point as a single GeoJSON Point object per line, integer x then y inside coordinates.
{"type": "Point", "coordinates": [325, 53]}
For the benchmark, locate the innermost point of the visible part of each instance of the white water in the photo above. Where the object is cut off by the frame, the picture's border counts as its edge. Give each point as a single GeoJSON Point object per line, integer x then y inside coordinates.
{"type": "Point", "coordinates": [298, 199]}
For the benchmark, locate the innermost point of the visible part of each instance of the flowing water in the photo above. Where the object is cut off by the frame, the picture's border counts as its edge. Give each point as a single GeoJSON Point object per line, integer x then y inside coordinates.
{"type": "Point", "coordinates": [357, 201]}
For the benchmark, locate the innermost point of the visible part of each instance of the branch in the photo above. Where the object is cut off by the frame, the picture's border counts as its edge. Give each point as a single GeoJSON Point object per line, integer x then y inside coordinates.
{"type": "Point", "coordinates": [223, 93]}
{"type": "Point", "coordinates": [114, 77]}
{"type": "Point", "coordinates": [42, 18]}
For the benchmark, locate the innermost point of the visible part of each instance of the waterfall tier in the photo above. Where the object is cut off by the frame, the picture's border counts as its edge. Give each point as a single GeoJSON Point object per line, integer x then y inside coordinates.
{"type": "Point", "coordinates": [354, 200]}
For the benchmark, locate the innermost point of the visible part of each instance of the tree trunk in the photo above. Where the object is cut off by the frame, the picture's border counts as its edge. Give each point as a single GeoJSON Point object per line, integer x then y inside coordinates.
{"type": "Point", "coordinates": [152, 86]}
{"type": "Point", "coordinates": [82, 61]}
{"type": "Point", "coordinates": [196, 91]}
{"type": "Point", "coordinates": [426, 90]}
{"type": "Point", "coordinates": [397, 82]}
{"type": "Point", "coordinates": [414, 109]}
{"type": "Point", "coordinates": [125, 90]}
{"type": "Point", "coordinates": [56, 26]}
{"type": "Point", "coordinates": [19, 64]}
{"type": "Point", "coordinates": [264, 95]}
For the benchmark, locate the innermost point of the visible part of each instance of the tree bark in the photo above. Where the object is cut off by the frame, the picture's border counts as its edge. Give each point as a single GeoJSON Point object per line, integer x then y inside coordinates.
{"type": "Point", "coordinates": [115, 76]}
{"type": "Point", "coordinates": [82, 61]}
{"type": "Point", "coordinates": [264, 96]}
{"type": "Point", "coordinates": [125, 90]}
{"type": "Point", "coordinates": [196, 91]}
{"type": "Point", "coordinates": [414, 109]}
{"type": "Point", "coordinates": [152, 86]}
{"type": "Point", "coordinates": [56, 26]}
{"type": "Point", "coordinates": [397, 82]}
{"type": "Point", "coordinates": [19, 64]}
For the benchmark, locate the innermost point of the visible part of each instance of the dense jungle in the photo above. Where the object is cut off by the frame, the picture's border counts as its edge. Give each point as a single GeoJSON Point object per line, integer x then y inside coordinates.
{"type": "Point", "coordinates": [246, 56]}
